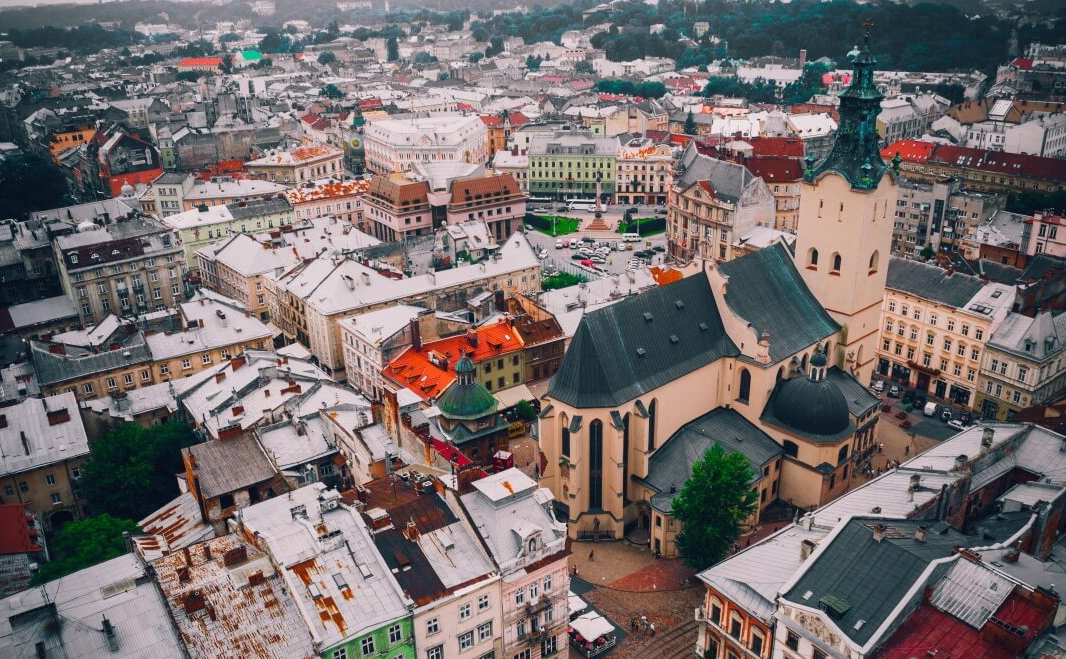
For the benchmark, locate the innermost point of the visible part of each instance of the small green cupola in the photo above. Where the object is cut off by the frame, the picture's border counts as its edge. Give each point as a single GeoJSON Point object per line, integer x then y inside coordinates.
{"type": "Point", "coordinates": [466, 399]}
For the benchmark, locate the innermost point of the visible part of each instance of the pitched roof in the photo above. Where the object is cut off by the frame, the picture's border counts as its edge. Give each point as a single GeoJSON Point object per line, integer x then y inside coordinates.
{"type": "Point", "coordinates": [766, 290]}
{"type": "Point", "coordinates": [399, 191]}
{"type": "Point", "coordinates": [639, 344]}
{"type": "Point", "coordinates": [671, 465]}
{"type": "Point", "coordinates": [483, 188]}
{"type": "Point", "coordinates": [224, 466]}
{"type": "Point", "coordinates": [773, 169]}
{"type": "Point", "coordinates": [931, 282]}
{"type": "Point", "coordinates": [998, 162]}
{"type": "Point", "coordinates": [17, 535]}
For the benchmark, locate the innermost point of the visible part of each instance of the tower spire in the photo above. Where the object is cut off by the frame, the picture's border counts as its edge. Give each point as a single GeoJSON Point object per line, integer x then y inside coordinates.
{"type": "Point", "coordinates": [856, 154]}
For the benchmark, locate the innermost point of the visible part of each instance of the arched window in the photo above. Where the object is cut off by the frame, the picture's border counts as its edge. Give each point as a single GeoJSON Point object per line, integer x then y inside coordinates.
{"type": "Point", "coordinates": [812, 257]}
{"type": "Point", "coordinates": [803, 364]}
{"type": "Point", "coordinates": [565, 450]}
{"type": "Point", "coordinates": [596, 465]}
{"type": "Point", "coordinates": [874, 258]}
{"type": "Point", "coordinates": [790, 448]}
{"type": "Point", "coordinates": [745, 386]}
{"type": "Point", "coordinates": [836, 262]}
{"type": "Point", "coordinates": [651, 426]}
{"type": "Point", "coordinates": [532, 545]}
{"type": "Point", "coordinates": [842, 455]}
{"type": "Point", "coordinates": [625, 460]}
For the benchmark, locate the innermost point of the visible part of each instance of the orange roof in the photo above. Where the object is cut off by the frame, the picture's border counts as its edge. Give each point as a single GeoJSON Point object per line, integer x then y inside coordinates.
{"type": "Point", "coordinates": [429, 371]}
{"type": "Point", "coordinates": [201, 61]}
{"type": "Point", "coordinates": [664, 276]}
{"type": "Point", "coordinates": [909, 150]}
{"type": "Point", "coordinates": [329, 190]}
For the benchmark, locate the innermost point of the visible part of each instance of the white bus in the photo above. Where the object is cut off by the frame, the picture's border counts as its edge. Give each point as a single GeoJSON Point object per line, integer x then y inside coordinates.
{"type": "Point", "coordinates": [581, 204]}
{"type": "Point", "coordinates": [538, 201]}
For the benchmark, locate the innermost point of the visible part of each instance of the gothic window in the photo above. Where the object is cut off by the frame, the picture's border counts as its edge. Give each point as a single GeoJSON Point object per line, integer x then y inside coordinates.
{"type": "Point", "coordinates": [812, 257]}
{"type": "Point", "coordinates": [596, 465]}
{"type": "Point", "coordinates": [873, 262]}
{"type": "Point", "coordinates": [836, 262]}
{"type": "Point", "coordinates": [745, 386]}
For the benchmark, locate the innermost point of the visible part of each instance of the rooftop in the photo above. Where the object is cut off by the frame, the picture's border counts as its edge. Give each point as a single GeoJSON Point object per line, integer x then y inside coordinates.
{"type": "Point", "coordinates": [37, 432]}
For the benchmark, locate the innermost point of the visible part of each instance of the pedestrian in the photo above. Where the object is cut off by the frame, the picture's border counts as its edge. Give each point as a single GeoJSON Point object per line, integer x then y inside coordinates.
{"type": "Point", "coordinates": [907, 449]}
{"type": "Point", "coordinates": [590, 554]}
{"type": "Point", "coordinates": [651, 629]}
{"type": "Point", "coordinates": [881, 447]}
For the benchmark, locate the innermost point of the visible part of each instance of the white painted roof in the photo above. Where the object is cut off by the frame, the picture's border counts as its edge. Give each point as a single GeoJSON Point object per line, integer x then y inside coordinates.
{"type": "Point", "coordinates": [28, 441]}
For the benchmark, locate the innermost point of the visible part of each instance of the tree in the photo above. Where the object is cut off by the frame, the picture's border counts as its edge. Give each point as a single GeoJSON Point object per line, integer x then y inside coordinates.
{"type": "Point", "coordinates": [30, 183]}
{"type": "Point", "coordinates": [392, 49]}
{"type": "Point", "coordinates": [560, 279]}
{"type": "Point", "coordinates": [332, 91]}
{"type": "Point", "coordinates": [130, 471]}
{"type": "Point", "coordinates": [495, 46]}
{"type": "Point", "coordinates": [476, 56]}
{"type": "Point", "coordinates": [927, 252]}
{"type": "Point", "coordinates": [83, 543]}
{"type": "Point", "coordinates": [424, 58]}
{"type": "Point", "coordinates": [584, 66]}
{"type": "Point", "coordinates": [189, 76]}
{"type": "Point", "coordinates": [326, 57]}
{"type": "Point", "coordinates": [690, 124]}
{"type": "Point", "coordinates": [275, 42]}
{"type": "Point", "coordinates": [533, 63]}
{"type": "Point", "coordinates": [714, 502]}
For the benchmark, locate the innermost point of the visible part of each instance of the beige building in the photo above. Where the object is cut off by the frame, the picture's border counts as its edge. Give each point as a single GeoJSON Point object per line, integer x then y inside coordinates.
{"type": "Point", "coordinates": [934, 326]}
{"type": "Point", "coordinates": [308, 301]}
{"type": "Point", "coordinates": [304, 163]}
{"type": "Point", "coordinates": [767, 354]}
{"type": "Point", "coordinates": [204, 225]}
{"type": "Point", "coordinates": [711, 204]}
{"type": "Point", "coordinates": [645, 173]}
{"type": "Point", "coordinates": [121, 266]}
{"type": "Point", "coordinates": [44, 445]}
{"type": "Point", "coordinates": [1024, 365]}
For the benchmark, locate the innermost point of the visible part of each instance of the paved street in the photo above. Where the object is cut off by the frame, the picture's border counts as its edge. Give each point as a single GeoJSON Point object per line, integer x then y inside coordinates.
{"type": "Point", "coordinates": [618, 261]}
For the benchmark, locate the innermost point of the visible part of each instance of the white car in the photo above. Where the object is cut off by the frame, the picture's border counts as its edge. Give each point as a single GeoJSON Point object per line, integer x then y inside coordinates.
{"type": "Point", "coordinates": [596, 258]}
{"type": "Point", "coordinates": [558, 243]}
{"type": "Point", "coordinates": [957, 425]}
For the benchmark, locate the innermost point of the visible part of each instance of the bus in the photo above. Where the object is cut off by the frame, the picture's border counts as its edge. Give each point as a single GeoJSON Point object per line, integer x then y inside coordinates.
{"type": "Point", "coordinates": [581, 204]}
{"type": "Point", "coordinates": [538, 201]}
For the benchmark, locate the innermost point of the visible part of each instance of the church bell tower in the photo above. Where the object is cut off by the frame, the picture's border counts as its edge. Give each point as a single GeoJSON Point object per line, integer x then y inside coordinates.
{"type": "Point", "coordinates": [844, 234]}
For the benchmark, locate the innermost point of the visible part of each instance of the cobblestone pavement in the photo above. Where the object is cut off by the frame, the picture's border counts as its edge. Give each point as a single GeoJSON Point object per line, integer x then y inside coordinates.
{"type": "Point", "coordinates": [524, 450]}
{"type": "Point", "coordinates": [663, 590]}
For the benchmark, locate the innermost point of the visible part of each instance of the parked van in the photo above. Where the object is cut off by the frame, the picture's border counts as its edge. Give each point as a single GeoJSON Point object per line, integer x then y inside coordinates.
{"type": "Point", "coordinates": [930, 409]}
{"type": "Point", "coordinates": [631, 237]}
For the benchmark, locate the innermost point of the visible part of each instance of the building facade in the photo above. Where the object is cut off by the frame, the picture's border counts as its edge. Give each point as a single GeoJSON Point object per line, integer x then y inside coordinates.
{"type": "Point", "coordinates": [304, 163]}
{"type": "Point", "coordinates": [572, 165]}
{"type": "Point", "coordinates": [394, 145]}
{"type": "Point", "coordinates": [1022, 365]}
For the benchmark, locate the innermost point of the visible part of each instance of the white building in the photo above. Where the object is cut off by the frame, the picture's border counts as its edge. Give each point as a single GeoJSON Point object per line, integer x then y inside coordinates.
{"type": "Point", "coordinates": [393, 145]}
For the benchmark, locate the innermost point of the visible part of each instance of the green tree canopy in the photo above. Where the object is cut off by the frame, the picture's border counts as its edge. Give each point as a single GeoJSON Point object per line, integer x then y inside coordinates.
{"type": "Point", "coordinates": [495, 46]}
{"type": "Point", "coordinates": [392, 49]}
{"type": "Point", "coordinates": [130, 471]}
{"type": "Point", "coordinates": [332, 91]}
{"type": "Point", "coordinates": [83, 543]}
{"type": "Point", "coordinates": [30, 183]}
{"type": "Point", "coordinates": [584, 66]}
{"type": "Point", "coordinates": [714, 502]}
{"type": "Point", "coordinates": [476, 56]}
{"type": "Point", "coordinates": [326, 57]}
{"type": "Point", "coordinates": [533, 63]}
{"type": "Point", "coordinates": [690, 124]}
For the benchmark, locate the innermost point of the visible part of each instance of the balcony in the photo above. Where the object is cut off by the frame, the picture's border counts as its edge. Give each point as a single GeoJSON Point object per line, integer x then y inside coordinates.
{"type": "Point", "coordinates": [543, 602]}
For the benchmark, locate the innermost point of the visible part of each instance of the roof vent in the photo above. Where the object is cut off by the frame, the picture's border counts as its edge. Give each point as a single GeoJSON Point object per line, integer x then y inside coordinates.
{"type": "Point", "coordinates": [674, 339]}
{"type": "Point", "coordinates": [703, 327]}
{"type": "Point", "coordinates": [647, 316]}
{"type": "Point", "coordinates": [641, 352]}
{"type": "Point", "coordinates": [679, 304]}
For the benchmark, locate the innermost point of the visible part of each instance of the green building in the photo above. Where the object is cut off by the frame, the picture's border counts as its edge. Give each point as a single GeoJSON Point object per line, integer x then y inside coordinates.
{"type": "Point", "coordinates": [568, 163]}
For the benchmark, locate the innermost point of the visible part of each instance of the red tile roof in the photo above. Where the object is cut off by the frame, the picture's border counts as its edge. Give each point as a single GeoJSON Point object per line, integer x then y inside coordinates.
{"type": "Point", "coordinates": [371, 104]}
{"type": "Point", "coordinates": [929, 631]}
{"type": "Point", "coordinates": [16, 537]}
{"type": "Point", "coordinates": [416, 370]}
{"type": "Point", "coordinates": [496, 121]}
{"type": "Point", "coordinates": [1023, 63]}
{"type": "Point", "coordinates": [772, 169]}
{"type": "Point", "coordinates": [909, 150]}
{"type": "Point", "coordinates": [201, 61]}
{"type": "Point", "coordinates": [997, 162]}
{"type": "Point", "coordinates": [776, 146]}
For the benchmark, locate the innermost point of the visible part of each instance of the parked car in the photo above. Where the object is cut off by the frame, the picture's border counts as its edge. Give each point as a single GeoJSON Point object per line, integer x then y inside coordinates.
{"type": "Point", "coordinates": [908, 396]}
{"type": "Point", "coordinates": [587, 263]}
{"type": "Point", "coordinates": [894, 391]}
{"type": "Point", "coordinates": [919, 400]}
{"type": "Point", "coordinates": [598, 259]}
{"type": "Point", "coordinates": [956, 424]}
{"type": "Point", "coordinates": [635, 264]}
{"type": "Point", "coordinates": [945, 414]}
{"type": "Point", "coordinates": [879, 386]}
{"type": "Point", "coordinates": [577, 256]}
{"type": "Point", "coordinates": [558, 243]}
{"type": "Point", "coordinates": [966, 418]}
{"type": "Point", "coordinates": [930, 409]}
{"type": "Point", "coordinates": [659, 248]}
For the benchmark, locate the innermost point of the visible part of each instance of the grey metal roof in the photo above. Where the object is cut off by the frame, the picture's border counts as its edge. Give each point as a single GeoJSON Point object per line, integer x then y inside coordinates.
{"type": "Point", "coordinates": [971, 592]}
{"type": "Point", "coordinates": [52, 368]}
{"type": "Point", "coordinates": [931, 282]}
{"type": "Point", "coordinates": [860, 399]}
{"type": "Point", "coordinates": [727, 179]}
{"type": "Point", "coordinates": [1038, 339]}
{"type": "Point", "coordinates": [258, 208]}
{"type": "Point", "coordinates": [766, 290]}
{"type": "Point", "coordinates": [871, 576]}
{"type": "Point", "coordinates": [224, 466]}
{"type": "Point", "coordinates": [781, 410]}
{"type": "Point", "coordinates": [641, 343]}
{"type": "Point", "coordinates": [672, 464]}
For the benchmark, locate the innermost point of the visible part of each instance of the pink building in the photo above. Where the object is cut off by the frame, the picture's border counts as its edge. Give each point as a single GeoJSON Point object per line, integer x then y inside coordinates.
{"type": "Point", "coordinates": [1044, 233]}
{"type": "Point", "coordinates": [329, 198]}
{"type": "Point", "coordinates": [496, 200]}
{"type": "Point", "coordinates": [397, 206]}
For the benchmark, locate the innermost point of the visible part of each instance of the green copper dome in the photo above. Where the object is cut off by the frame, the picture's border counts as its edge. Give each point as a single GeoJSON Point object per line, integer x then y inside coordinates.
{"type": "Point", "coordinates": [466, 399]}
{"type": "Point", "coordinates": [855, 154]}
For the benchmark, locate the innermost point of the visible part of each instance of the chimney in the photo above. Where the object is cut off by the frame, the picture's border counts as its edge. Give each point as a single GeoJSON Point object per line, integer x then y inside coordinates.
{"type": "Point", "coordinates": [416, 336]}
{"type": "Point", "coordinates": [194, 602]}
{"type": "Point", "coordinates": [109, 634]}
{"type": "Point", "coordinates": [187, 555]}
{"type": "Point", "coordinates": [235, 555]}
{"type": "Point", "coordinates": [879, 532]}
{"type": "Point", "coordinates": [471, 337]}
{"type": "Point", "coordinates": [806, 548]}
{"type": "Point", "coordinates": [183, 575]}
{"type": "Point", "coordinates": [920, 533]}
{"type": "Point", "coordinates": [1012, 555]}
{"type": "Point", "coordinates": [237, 362]}
{"type": "Point", "coordinates": [986, 440]}
{"type": "Point", "coordinates": [411, 531]}
{"type": "Point", "coordinates": [207, 551]}
{"type": "Point", "coordinates": [961, 461]}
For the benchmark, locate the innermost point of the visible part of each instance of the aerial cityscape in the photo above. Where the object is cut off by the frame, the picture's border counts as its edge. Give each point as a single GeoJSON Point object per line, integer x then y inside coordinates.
{"type": "Point", "coordinates": [351, 329]}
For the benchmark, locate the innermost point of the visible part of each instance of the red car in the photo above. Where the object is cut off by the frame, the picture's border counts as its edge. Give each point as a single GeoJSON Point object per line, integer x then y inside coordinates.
{"type": "Point", "coordinates": [588, 264]}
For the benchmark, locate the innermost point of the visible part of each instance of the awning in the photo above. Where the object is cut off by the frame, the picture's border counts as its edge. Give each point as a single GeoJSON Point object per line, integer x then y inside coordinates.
{"type": "Point", "coordinates": [576, 604]}
{"type": "Point", "coordinates": [591, 626]}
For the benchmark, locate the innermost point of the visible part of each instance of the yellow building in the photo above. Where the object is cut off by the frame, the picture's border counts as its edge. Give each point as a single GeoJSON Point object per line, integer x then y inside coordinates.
{"type": "Point", "coordinates": [63, 141]}
{"type": "Point", "coordinates": [934, 326]}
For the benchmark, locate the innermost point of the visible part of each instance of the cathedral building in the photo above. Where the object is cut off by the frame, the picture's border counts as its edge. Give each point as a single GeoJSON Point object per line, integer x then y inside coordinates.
{"type": "Point", "coordinates": [768, 354]}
